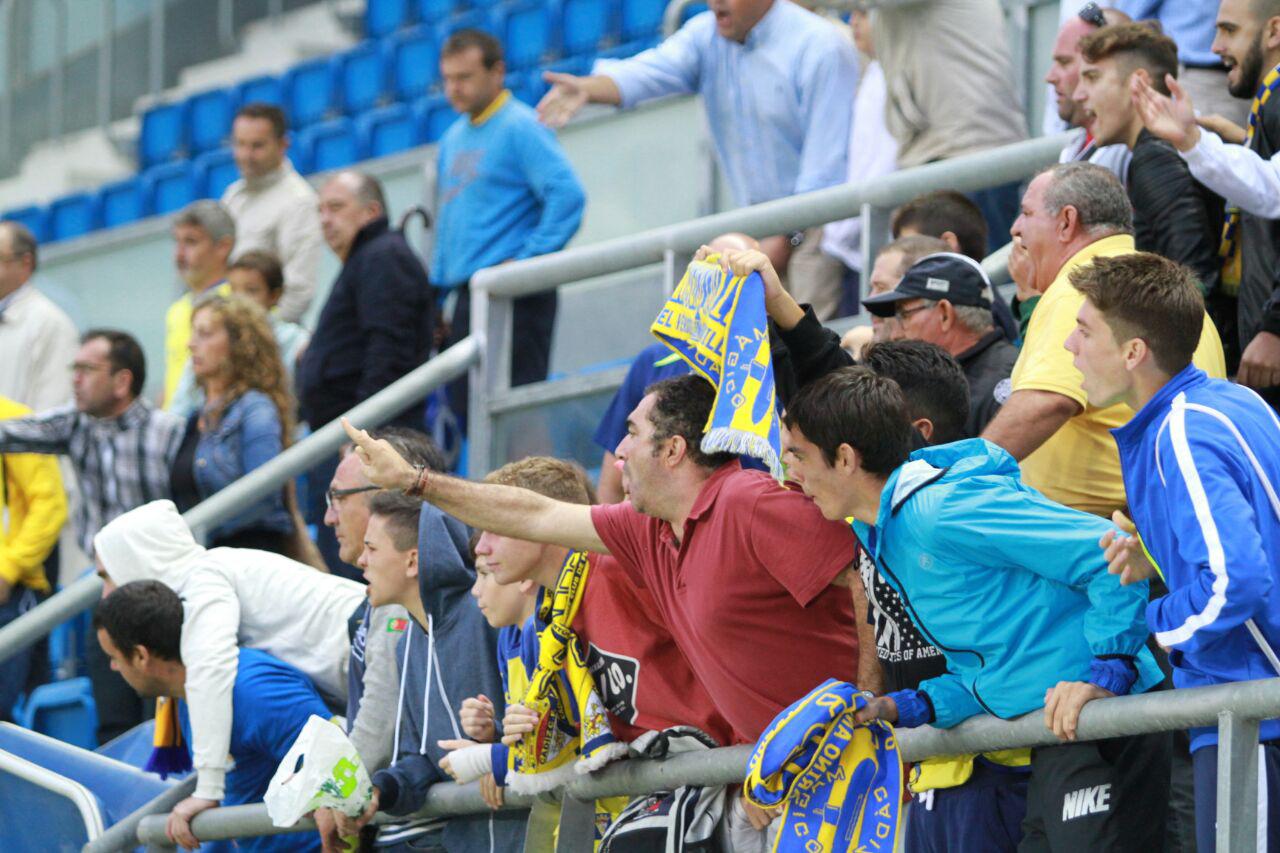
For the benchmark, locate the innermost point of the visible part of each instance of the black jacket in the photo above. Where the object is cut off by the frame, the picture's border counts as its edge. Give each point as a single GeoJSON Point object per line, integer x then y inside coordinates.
{"type": "Point", "coordinates": [375, 327]}
{"type": "Point", "coordinates": [1259, 306]}
{"type": "Point", "coordinates": [987, 365]}
{"type": "Point", "coordinates": [1174, 215]}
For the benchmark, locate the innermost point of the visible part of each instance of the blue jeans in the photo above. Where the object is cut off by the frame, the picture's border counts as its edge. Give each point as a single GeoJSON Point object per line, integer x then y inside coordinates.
{"type": "Point", "coordinates": [14, 671]}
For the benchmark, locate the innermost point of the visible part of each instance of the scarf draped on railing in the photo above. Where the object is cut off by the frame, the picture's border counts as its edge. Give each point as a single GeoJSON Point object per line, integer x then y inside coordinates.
{"type": "Point", "coordinates": [717, 322]}
{"type": "Point", "coordinates": [839, 783]}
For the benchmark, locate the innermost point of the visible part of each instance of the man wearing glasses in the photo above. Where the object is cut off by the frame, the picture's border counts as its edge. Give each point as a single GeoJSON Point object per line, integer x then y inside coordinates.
{"type": "Point", "coordinates": [121, 449]}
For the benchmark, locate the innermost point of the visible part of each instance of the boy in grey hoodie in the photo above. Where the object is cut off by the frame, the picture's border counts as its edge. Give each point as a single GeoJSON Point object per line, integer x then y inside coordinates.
{"type": "Point", "coordinates": [418, 557]}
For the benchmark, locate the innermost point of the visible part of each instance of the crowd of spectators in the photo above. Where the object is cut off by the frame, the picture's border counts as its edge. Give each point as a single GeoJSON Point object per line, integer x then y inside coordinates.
{"type": "Point", "coordinates": [991, 506]}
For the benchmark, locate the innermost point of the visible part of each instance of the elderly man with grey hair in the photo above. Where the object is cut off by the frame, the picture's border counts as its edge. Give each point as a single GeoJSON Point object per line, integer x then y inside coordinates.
{"type": "Point", "coordinates": [1071, 214]}
{"type": "Point", "coordinates": [203, 236]}
{"type": "Point", "coordinates": [945, 299]}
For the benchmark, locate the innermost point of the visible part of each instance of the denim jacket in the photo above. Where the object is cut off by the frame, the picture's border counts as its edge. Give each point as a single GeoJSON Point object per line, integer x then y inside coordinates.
{"type": "Point", "coordinates": [245, 437]}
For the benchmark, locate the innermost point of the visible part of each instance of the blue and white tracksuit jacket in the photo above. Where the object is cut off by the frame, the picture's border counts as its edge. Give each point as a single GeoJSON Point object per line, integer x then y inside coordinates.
{"type": "Point", "coordinates": [1201, 464]}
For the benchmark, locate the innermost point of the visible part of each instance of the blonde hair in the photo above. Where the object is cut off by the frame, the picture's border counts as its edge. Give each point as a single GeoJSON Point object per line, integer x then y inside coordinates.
{"type": "Point", "coordinates": [557, 479]}
{"type": "Point", "coordinates": [253, 357]}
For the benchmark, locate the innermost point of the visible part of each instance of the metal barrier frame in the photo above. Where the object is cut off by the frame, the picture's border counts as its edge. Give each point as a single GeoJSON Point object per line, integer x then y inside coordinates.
{"type": "Point", "coordinates": [1234, 708]}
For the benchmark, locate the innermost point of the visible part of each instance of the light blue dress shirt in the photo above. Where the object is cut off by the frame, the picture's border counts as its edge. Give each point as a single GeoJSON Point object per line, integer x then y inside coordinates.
{"type": "Point", "coordinates": [780, 105]}
{"type": "Point", "coordinates": [1190, 23]}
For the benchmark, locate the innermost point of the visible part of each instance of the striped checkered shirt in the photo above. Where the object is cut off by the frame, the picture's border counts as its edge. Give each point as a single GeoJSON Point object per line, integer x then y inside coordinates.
{"type": "Point", "coordinates": [121, 462]}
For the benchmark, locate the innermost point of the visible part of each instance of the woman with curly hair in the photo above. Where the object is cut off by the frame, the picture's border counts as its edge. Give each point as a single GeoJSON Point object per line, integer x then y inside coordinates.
{"type": "Point", "coordinates": [246, 419]}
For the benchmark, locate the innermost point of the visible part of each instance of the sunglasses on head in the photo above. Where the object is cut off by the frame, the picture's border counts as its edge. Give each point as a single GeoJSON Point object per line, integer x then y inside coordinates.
{"type": "Point", "coordinates": [1091, 13]}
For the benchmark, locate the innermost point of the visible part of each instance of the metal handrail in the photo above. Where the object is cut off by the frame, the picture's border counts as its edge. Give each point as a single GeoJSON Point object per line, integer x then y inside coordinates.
{"type": "Point", "coordinates": [1226, 705]}
{"type": "Point", "coordinates": [257, 484]}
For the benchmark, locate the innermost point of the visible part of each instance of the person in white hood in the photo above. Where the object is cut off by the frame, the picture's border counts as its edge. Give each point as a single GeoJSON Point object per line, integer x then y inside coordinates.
{"type": "Point", "coordinates": [232, 597]}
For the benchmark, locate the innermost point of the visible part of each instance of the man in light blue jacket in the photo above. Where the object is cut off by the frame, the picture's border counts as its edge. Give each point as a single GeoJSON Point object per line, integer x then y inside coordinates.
{"type": "Point", "coordinates": [1201, 464]}
{"type": "Point", "coordinates": [1010, 586]}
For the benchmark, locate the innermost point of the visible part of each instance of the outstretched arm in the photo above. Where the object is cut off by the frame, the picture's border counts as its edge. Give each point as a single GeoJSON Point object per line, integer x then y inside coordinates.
{"type": "Point", "coordinates": [504, 510]}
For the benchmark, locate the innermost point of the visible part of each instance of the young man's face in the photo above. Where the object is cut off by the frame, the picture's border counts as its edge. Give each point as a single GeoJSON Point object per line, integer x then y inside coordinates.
{"type": "Point", "coordinates": [502, 604]}
{"type": "Point", "coordinates": [256, 148]}
{"type": "Point", "coordinates": [1240, 39]}
{"type": "Point", "coordinates": [636, 454]}
{"type": "Point", "coordinates": [468, 86]}
{"type": "Point", "coordinates": [1099, 357]}
{"type": "Point", "coordinates": [509, 560]}
{"type": "Point", "coordinates": [392, 574]}
{"type": "Point", "coordinates": [135, 669]}
{"type": "Point", "coordinates": [93, 381]}
{"type": "Point", "coordinates": [809, 469]}
{"type": "Point", "coordinates": [1103, 94]}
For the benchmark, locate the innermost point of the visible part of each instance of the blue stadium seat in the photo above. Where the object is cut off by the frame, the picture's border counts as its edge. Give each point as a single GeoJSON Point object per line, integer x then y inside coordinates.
{"type": "Point", "coordinates": [433, 117]}
{"type": "Point", "coordinates": [209, 116]}
{"type": "Point", "coordinates": [362, 77]}
{"type": "Point", "coordinates": [642, 18]}
{"type": "Point", "coordinates": [384, 17]}
{"type": "Point", "coordinates": [432, 11]}
{"type": "Point", "coordinates": [527, 86]}
{"type": "Point", "coordinates": [69, 640]}
{"type": "Point", "coordinates": [259, 90]}
{"type": "Point", "coordinates": [62, 710]}
{"type": "Point", "coordinates": [168, 187]}
{"type": "Point", "coordinates": [309, 89]}
{"type": "Point", "coordinates": [163, 135]}
{"type": "Point", "coordinates": [588, 26]}
{"type": "Point", "coordinates": [72, 215]}
{"type": "Point", "coordinates": [579, 66]}
{"type": "Point", "coordinates": [692, 10]}
{"type": "Point", "coordinates": [36, 219]}
{"type": "Point", "coordinates": [329, 145]}
{"type": "Point", "coordinates": [214, 172]}
{"type": "Point", "coordinates": [631, 48]}
{"type": "Point", "coordinates": [387, 130]}
{"type": "Point", "coordinates": [473, 19]}
{"type": "Point", "coordinates": [527, 31]}
{"type": "Point", "coordinates": [415, 63]}
{"type": "Point", "coordinates": [122, 202]}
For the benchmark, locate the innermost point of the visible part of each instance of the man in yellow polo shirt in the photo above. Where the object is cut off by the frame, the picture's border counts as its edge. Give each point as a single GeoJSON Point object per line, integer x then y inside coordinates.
{"type": "Point", "coordinates": [33, 507]}
{"type": "Point", "coordinates": [1071, 214]}
{"type": "Point", "coordinates": [203, 236]}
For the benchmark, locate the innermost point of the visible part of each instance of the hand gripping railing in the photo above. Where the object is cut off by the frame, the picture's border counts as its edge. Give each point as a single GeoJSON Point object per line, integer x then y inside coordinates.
{"type": "Point", "coordinates": [1234, 708]}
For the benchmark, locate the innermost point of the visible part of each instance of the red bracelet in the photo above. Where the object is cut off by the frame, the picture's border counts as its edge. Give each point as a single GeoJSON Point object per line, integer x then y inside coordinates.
{"type": "Point", "coordinates": [419, 487]}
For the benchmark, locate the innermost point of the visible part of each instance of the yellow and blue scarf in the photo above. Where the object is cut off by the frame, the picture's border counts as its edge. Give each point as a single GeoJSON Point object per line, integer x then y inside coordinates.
{"type": "Point", "coordinates": [717, 322]}
{"type": "Point", "coordinates": [840, 783]}
{"type": "Point", "coordinates": [1230, 246]}
{"type": "Point", "coordinates": [169, 753]}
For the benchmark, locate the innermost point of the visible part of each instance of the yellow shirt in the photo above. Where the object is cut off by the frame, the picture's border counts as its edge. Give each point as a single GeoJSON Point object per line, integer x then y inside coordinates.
{"type": "Point", "coordinates": [33, 507]}
{"type": "Point", "coordinates": [177, 332]}
{"type": "Point", "coordinates": [1079, 465]}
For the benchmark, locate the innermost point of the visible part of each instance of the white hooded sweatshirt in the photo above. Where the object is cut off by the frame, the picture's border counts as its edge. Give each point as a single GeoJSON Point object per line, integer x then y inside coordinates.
{"type": "Point", "coordinates": [232, 597]}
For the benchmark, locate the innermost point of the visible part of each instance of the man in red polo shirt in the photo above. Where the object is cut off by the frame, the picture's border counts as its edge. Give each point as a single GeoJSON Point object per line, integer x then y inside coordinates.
{"type": "Point", "coordinates": [753, 583]}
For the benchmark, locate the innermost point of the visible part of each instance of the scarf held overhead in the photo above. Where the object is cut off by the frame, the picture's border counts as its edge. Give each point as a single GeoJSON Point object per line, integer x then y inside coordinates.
{"type": "Point", "coordinates": [717, 322]}
{"type": "Point", "coordinates": [839, 783]}
{"type": "Point", "coordinates": [563, 694]}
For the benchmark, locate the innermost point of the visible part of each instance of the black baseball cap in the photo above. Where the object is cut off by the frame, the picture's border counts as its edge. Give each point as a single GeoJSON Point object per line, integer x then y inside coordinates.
{"type": "Point", "coordinates": [944, 275]}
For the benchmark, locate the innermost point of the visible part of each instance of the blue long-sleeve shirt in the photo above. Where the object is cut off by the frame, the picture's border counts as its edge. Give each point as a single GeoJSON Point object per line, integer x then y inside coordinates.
{"type": "Point", "coordinates": [779, 105]}
{"type": "Point", "coordinates": [1201, 464]}
{"type": "Point", "coordinates": [270, 703]}
{"type": "Point", "coordinates": [1190, 23]}
{"type": "Point", "coordinates": [506, 192]}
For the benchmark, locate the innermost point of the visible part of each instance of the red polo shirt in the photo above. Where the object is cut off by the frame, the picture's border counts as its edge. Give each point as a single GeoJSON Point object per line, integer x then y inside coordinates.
{"type": "Point", "coordinates": [747, 595]}
{"type": "Point", "coordinates": [642, 677]}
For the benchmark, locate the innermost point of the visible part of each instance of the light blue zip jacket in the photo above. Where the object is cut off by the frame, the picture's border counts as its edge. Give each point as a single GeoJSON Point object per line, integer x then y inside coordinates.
{"type": "Point", "coordinates": [1011, 586]}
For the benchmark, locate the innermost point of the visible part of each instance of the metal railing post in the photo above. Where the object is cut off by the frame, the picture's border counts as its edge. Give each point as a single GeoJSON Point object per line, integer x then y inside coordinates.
{"type": "Point", "coordinates": [8, 32]}
{"type": "Point", "coordinates": [58, 75]}
{"type": "Point", "coordinates": [479, 418]}
{"type": "Point", "coordinates": [155, 48]}
{"type": "Point", "coordinates": [1237, 814]}
{"type": "Point", "coordinates": [106, 62]}
{"type": "Point", "coordinates": [493, 380]}
{"type": "Point", "coordinates": [874, 234]}
{"type": "Point", "coordinates": [670, 275]}
{"type": "Point", "coordinates": [226, 24]}
{"type": "Point", "coordinates": [577, 825]}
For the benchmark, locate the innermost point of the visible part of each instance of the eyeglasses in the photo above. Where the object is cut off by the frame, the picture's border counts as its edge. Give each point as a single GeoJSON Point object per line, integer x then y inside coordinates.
{"type": "Point", "coordinates": [903, 313]}
{"type": "Point", "coordinates": [332, 496]}
{"type": "Point", "coordinates": [1091, 13]}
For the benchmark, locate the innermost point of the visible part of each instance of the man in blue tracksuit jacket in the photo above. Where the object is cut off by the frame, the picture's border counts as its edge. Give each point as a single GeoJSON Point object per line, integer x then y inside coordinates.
{"type": "Point", "coordinates": [1010, 586]}
{"type": "Point", "coordinates": [1201, 464]}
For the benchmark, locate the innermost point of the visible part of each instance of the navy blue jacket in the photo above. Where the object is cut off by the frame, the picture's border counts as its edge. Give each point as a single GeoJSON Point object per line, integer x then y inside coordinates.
{"type": "Point", "coordinates": [376, 326]}
{"type": "Point", "coordinates": [1201, 465]}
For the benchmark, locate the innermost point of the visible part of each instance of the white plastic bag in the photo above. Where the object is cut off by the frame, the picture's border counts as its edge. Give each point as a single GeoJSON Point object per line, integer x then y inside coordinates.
{"type": "Point", "coordinates": [321, 770]}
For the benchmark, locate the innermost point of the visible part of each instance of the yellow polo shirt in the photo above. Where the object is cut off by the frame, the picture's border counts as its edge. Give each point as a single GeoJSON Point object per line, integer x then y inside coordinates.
{"type": "Point", "coordinates": [1079, 465]}
{"type": "Point", "coordinates": [33, 507]}
{"type": "Point", "coordinates": [177, 333]}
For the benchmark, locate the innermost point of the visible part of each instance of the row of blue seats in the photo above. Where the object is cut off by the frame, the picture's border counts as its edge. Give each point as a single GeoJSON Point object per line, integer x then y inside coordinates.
{"type": "Point", "coordinates": [400, 67]}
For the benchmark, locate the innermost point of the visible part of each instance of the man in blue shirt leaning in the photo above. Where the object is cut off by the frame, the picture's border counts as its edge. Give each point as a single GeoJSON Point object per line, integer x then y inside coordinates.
{"type": "Point", "coordinates": [1013, 590]}
{"type": "Point", "coordinates": [777, 83]}
{"type": "Point", "coordinates": [1201, 464]}
{"type": "Point", "coordinates": [139, 627]}
{"type": "Point", "coordinates": [505, 192]}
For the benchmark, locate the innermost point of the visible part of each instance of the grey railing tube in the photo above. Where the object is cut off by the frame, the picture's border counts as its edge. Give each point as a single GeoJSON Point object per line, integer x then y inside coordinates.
{"type": "Point", "coordinates": [124, 835]}
{"type": "Point", "coordinates": [81, 594]}
{"type": "Point", "coordinates": [1106, 718]}
{"type": "Point", "coordinates": [795, 213]}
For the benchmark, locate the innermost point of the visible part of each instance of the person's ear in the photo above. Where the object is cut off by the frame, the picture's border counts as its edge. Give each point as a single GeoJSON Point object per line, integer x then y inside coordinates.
{"type": "Point", "coordinates": [847, 460]}
{"type": "Point", "coordinates": [528, 586]}
{"type": "Point", "coordinates": [924, 426]}
{"type": "Point", "coordinates": [677, 449]}
{"type": "Point", "coordinates": [1142, 74]}
{"type": "Point", "coordinates": [1271, 32]}
{"type": "Point", "coordinates": [122, 382]}
{"type": "Point", "coordinates": [411, 560]}
{"type": "Point", "coordinates": [1136, 352]}
{"type": "Point", "coordinates": [952, 241]}
{"type": "Point", "coordinates": [1068, 223]}
{"type": "Point", "coordinates": [946, 313]}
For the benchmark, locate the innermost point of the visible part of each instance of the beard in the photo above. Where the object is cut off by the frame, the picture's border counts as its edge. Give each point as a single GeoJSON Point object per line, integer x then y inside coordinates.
{"type": "Point", "coordinates": [1250, 72]}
